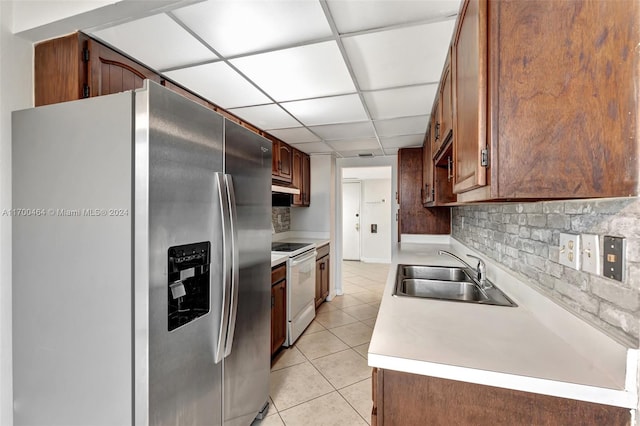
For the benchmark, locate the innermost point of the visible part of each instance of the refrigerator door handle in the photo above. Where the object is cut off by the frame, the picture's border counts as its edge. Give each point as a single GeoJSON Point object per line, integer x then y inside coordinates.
{"type": "Point", "coordinates": [235, 268]}
{"type": "Point", "coordinates": [223, 308]}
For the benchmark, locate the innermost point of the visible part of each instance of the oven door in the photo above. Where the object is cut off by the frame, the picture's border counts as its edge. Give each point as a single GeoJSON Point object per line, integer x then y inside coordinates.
{"type": "Point", "coordinates": [301, 287]}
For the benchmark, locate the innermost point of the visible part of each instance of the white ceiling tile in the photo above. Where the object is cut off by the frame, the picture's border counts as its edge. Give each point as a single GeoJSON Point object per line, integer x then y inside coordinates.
{"type": "Point", "coordinates": [299, 73]}
{"type": "Point", "coordinates": [313, 147]}
{"type": "Point", "coordinates": [239, 27]}
{"type": "Point", "coordinates": [266, 117]}
{"type": "Point", "coordinates": [352, 16]}
{"type": "Point", "coordinates": [399, 57]}
{"type": "Point", "coordinates": [220, 84]}
{"type": "Point", "coordinates": [391, 151]}
{"type": "Point", "coordinates": [344, 131]}
{"type": "Point", "coordinates": [356, 153]}
{"type": "Point", "coordinates": [336, 109]}
{"type": "Point", "coordinates": [354, 144]}
{"type": "Point", "coordinates": [402, 141]}
{"type": "Point", "coordinates": [157, 41]}
{"type": "Point", "coordinates": [403, 102]}
{"type": "Point", "coordinates": [295, 135]}
{"type": "Point", "coordinates": [402, 126]}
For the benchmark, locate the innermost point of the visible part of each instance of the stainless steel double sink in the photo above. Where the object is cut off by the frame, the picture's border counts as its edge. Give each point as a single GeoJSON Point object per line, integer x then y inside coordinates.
{"type": "Point", "coordinates": [446, 283]}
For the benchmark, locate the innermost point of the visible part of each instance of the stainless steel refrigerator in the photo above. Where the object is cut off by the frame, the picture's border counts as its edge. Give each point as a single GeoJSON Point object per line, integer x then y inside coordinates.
{"type": "Point", "coordinates": [141, 263]}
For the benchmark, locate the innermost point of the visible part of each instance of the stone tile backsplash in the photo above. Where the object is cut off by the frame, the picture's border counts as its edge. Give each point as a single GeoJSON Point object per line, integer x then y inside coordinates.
{"type": "Point", "coordinates": [524, 237]}
{"type": "Point", "coordinates": [281, 219]}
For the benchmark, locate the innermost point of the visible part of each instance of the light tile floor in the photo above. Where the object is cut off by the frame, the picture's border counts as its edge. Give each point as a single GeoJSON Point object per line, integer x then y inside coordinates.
{"type": "Point", "coordinates": [324, 379]}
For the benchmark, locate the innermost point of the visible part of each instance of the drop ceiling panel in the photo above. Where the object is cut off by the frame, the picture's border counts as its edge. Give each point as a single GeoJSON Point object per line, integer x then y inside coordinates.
{"type": "Point", "coordinates": [295, 135]}
{"type": "Point", "coordinates": [402, 126]}
{"type": "Point", "coordinates": [298, 73]}
{"type": "Point", "coordinates": [402, 141]}
{"type": "Point", "coordinates": [239, 27]}
{"type": "Point", "coordinates": [336, 109]}
{"type": "Point", "coordinates": [403, 102]}
{"type": "Point", "coordinates": [354, 144]}
{"type": "Point", "coordinates": [219, 83]}
{"type": "Point", "coordinates": [266, 117]}
{"type": "Point", "coordinates": [345, 131]}
{"type": "Point", "coordinates": [157, 41]}
{"type": "Point", "coordinates": [313, 147]}
{"type": "Point", "coordinates": [352, 16]}
{"type": "Point", "coordinates": [356, 153]}
{"type": "Point", "coordinates": [391, 151]}
{"type": "Point", "coordinates": [399, 57]}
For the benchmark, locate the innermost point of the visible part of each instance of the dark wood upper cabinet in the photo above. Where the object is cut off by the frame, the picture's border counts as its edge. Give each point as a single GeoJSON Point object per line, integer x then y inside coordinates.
{"type": "Point", "coordinates": [413, 218]}
{"type": "Point", "coordinates": [282, 161]}
{"type": "Point", "coordinates": [300, 178]}
{"type": "Point", "coordinates": [110, 72]}
{"type": "Point", "coordinates": [549, 90]}
{"type": "Point", "coordinates": [469, 87]}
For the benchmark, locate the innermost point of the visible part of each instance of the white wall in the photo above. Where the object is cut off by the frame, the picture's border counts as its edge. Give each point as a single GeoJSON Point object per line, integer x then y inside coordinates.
{"type": "Point", "coordinates": [376, 199]}
{"type": "Point", "coordinates": [16, 88]}
{"type": "Point", "coordinates": [317, 217]}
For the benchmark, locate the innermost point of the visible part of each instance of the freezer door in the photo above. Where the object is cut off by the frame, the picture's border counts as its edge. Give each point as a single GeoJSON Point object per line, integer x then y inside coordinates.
{"type": "Point", "coordinates": [179, 252]}
{"type": "Point", "coordinates": [247, 365]}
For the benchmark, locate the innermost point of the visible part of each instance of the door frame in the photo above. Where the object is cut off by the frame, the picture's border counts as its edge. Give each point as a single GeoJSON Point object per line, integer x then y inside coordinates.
{"type": "Point", "coordinates": [359, 182]}
{"type": "Point", "coordinates": [355, 162]}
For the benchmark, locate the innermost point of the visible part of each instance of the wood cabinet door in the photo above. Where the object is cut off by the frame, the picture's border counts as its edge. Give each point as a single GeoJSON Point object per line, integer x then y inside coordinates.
{"type": "Point", "coordinates": [446, 107]}
{"type": "Point", "coordinates": [296, 177]}
{"type": "Point", "coordinates": [324, 285]}
{"type": "Point", "coordinates": [285, 157]}
{"type": "Point", "coordinates": [306, 180]}
{"type": "Point", "coordinates": [427, 169]}
{"type": "Point", "coordinates": [278, 315]}
{"type": "Point", "coordinates": [469, 84]}
{"type": "Point", "coordinates": [322, 280]}
{"type": "Point", "coordinates": [111, 72]}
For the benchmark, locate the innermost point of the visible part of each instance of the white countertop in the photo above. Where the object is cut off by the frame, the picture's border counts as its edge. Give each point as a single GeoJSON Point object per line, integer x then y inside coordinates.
{"type": "Point", "coordinates": [278, 259]}
{"type": "Point", "coordinates": [536, 347]}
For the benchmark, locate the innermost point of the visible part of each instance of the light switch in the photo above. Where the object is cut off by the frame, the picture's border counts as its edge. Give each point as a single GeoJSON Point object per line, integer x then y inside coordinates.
{"type": "Point", "coordinates": [570, 250]}
{"type": "Point", "coordinates": [590, 253]}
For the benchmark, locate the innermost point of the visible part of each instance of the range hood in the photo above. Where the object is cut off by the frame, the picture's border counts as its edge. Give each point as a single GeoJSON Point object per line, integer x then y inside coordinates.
{"type": "Point", "coordinates": [285, 190]}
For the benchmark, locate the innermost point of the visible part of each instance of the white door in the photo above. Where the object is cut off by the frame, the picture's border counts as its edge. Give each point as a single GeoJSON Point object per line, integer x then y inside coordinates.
{"type": "Point", "coordinates": [351, 220]}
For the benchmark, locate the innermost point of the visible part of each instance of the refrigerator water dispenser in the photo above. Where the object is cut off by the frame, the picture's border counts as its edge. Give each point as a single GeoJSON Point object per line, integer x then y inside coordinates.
{"type": "Point", "coordinates": [188, 283]}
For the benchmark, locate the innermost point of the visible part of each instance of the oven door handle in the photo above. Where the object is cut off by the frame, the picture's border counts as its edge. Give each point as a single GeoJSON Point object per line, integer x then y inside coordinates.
{"type": "Point", "coordinates": [303, 258]}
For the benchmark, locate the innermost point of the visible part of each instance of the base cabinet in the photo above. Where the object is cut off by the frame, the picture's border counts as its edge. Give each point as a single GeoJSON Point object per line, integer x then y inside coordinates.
{"type": "Point", "coordinates": [278, 307]}
{"type": "Point", "coordinates": [405, 399]}
{"type": "Point", "coordinates": [322, 274]}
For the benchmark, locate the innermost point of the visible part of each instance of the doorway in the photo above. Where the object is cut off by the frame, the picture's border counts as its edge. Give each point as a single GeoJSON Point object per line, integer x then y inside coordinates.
{"type": "Point", "coordinates": [351, 192]}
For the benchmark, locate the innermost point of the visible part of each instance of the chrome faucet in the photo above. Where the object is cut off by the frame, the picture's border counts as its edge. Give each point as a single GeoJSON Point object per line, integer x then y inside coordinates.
{"type": "Point", "coordinates": [481, 268]}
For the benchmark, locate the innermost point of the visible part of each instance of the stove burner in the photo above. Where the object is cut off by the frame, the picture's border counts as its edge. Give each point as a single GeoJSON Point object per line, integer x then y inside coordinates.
{"type": "Point", "coordinates": [287, 247]}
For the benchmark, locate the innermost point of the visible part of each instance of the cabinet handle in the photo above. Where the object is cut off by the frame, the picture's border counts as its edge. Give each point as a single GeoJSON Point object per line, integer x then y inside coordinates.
{"type": "Point", "coordinates": [437, 130]}
{"type": "Point", "coordinates": [449, 169]}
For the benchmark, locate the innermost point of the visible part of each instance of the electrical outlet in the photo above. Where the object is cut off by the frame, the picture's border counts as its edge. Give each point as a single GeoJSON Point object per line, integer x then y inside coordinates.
{"type": "Point", "coordinates": [590, 253]}
{"type": "Point", "coordinates": [570, 250]}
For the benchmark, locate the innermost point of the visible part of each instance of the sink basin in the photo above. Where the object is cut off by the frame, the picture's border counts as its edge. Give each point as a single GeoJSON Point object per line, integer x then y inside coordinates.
{"type": "Point", "coordinates": [437, 289]}
{"type": "Point", "coordinates": [443, 273]}
{"type": "Point", "coordinates": [446, 283]}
